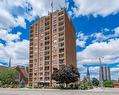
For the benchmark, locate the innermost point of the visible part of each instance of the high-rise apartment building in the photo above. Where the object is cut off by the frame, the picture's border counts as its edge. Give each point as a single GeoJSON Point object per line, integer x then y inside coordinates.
{"type": "Point", "coordinates": [104, 73]}
{"type": "Point", "coordinates": [52, 44]}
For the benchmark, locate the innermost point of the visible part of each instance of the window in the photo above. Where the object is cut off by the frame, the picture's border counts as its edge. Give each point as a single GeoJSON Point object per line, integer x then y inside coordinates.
{"type": "Point", "coordinates": [47, 28]}
{"type": "Point", "coordinates": [54, 21]}
{"type": "Point", "coordinates": [61, 39]}
{"type": "Point", "coordinates": [47, 38]}
{"type": "Point", "coordinates": [46, 67]}
{"type": "Point", "coordinates": [61, 61]}
{"type": "Point", "coordinates": [61, 50]}
{"type": "Point", "coordinates": [61, 44]}
{"type": "Point", "coordinates": [46, 48]}
{"type": "Point", "coordinates": [46, 24]}
{"type": "Point", "coordinates": [61, 23]}
{"type": "Point", "coordinates": [41, 78]}
{"type": "Point", "coordinates": [47, 62]}
{"type": "Point", "coordinates": [55, 30]}
{"type": "Point", "coordinates": [46, 33]}
{"type": "Point", "coordinates": [54, 26]}
{"type": "Point", "coordinates": [41, 58]}
{"type": "Point", "coordinates": [46, 43]}
{"type": "Point", "coordinates": [54, 56]}
{"type": "Point", "coordinates": [41, 44]}
{"type": "Point", "coordinates": [54, 61]}
{"type": "Point", "coordinates": [41, 74]}
{"type": "Point", "coordinates": [41, 53]}
{"type": "Point", "coordinates": [46, 73]}
{"type": "Point", "coordinates": [61, 34]}
{"type": "Point", "coordinates": [46, 78]}
{"type": "Point", "coordinates": [54, 50]}
{"type": "Point", "coordinates": [61, 55]}
{"type": "Point", "coordinates": [41, 68]}
{"type": "Point", "coordinates": [46, 52]}
{"type": "Point", "coordinates": [61, 28]}
{"type": "Point", "coordinates": [47, 57]}
{"type": "Point", "coordinates": [61, 18]}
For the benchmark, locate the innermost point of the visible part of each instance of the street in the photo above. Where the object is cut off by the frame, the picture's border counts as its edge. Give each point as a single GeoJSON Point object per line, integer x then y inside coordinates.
{"type": "Point", "coordinates": [25, 91]}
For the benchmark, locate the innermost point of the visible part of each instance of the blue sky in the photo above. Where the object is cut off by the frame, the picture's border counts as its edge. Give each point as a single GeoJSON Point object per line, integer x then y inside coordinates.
{"type": "Point", "coordinates": [96, 23]}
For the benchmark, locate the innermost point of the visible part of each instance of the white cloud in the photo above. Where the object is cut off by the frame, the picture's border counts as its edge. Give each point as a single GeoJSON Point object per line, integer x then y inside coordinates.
{"type": "Point", "coordinates": [6, 36]}
{"type": "Point", "coordinates": [96, 7]}
{"type": "Point", "coordinates": [100, 36]}
{"type": "Point", "coordinates": [41, 7]}
{"type": "Point", "coordinates": [80, 43]}
{"type": "Point", "coordinates": [116, 31]}
{"type": "Point", "coordinates": [18, 51]}
{"type": "Point", "coordinates": [7, 20]}
{"type": "Point", "coordinates": [108, 50]}
{"type": "Point", "coordinates": [81, 39]}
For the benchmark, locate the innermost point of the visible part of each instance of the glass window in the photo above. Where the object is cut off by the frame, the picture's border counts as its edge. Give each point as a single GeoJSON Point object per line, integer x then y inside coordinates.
{"type": "Point", "coordinates": [54, 61]}
{"type": "Point", "coordinates": [61, 61]}
{"type": "Point", "coordinates": [61, 28]}
{"type": "Point", "coordinates": [46, 67]}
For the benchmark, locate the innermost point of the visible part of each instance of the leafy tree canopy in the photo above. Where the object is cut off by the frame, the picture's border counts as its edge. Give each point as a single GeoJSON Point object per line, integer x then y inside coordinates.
{"type": "Point", "coordinates": [66, 74]}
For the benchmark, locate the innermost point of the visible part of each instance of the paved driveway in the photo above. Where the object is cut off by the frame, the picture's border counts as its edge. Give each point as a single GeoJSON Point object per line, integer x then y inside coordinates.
{"type": "Point", "coordinates": [8, 91]}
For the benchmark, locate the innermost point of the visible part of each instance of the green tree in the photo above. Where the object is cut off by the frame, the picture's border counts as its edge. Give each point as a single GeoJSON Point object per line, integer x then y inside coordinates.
{"type": "Point", "coordinates": [8, 76]}
{"type": "Point", "coordinates": [66, 74]}
{"type": "Point", "coordinates": [108, 83]}
{"type": "Point", "coordinates": [95, 82]}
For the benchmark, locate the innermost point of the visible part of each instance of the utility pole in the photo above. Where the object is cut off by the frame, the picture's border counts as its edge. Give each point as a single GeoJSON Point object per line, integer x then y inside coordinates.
{"type": "Point", "coordinates": [101, 73]}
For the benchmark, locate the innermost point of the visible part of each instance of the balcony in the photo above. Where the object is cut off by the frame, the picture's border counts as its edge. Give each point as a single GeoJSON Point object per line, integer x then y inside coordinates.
{"type": "Point", "coordinates": [46, 73]}
{"type": "Point", "coordinates": [61, 44]}
{"type": "Point", "coordinates": [61, 39]}
{"type": "Point", "coordinates": [47, 38]}
{"type": "Point", "coordinates": [61, 13]}
{"type": "Point", "coordinates": [61, 55]}
{"type": "Point", "coordinates": [47, 52]}
{"type": "Point", "coordinates": [46, 78]}
{"type": "Point", "coordinates": [61, 28]}
{"type": "Point", "coordinates": [47, 43]}
{"type": "Point", "coordinates": [47, 48]}
{"type": "Point", "coordinates": [61, 18]}
{"type": "Point", "coordinates": [61, 50]}
{"type": "Point", "coordinates": [47, 62]}
{"type": "Point", "coordinates": [61, 34]}
{"type": "Point", "coordinates": [61, 61]}
{"type": "Point", "coordinates": [47, 33]}
{"type": "Point", "coordinates": [61, 23]}
{"type": "Point", "coordinates": [47, 57]}
{"type": "Point", "coordinates": [47, 28]}
{"type": "Point", "coordinates": [47, 24]}
{"type": "Point", "coordinates": [47, 68]}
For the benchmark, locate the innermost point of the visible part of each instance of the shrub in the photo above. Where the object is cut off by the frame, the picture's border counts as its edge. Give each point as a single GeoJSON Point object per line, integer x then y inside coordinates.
{"type": "Point", "coordinates": [108, 83]}
{"type": "Point", "coordinates": [95, 82]}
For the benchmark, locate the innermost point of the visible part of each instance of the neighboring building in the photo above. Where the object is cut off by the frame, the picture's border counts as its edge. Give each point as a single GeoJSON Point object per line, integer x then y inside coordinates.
{"type": "Point", "coordinates": [52, 43]}
{"type": "Point", "coordinates": [101, 76]}
{"type": "Point", "coordinates": [116, 83]}
{"type": "Point", "coordinates": [104, 73]}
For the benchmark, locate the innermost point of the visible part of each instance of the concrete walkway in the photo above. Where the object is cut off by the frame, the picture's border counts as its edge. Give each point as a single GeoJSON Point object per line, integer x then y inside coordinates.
{"type": "Point", "coordinates": [25, 91]}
